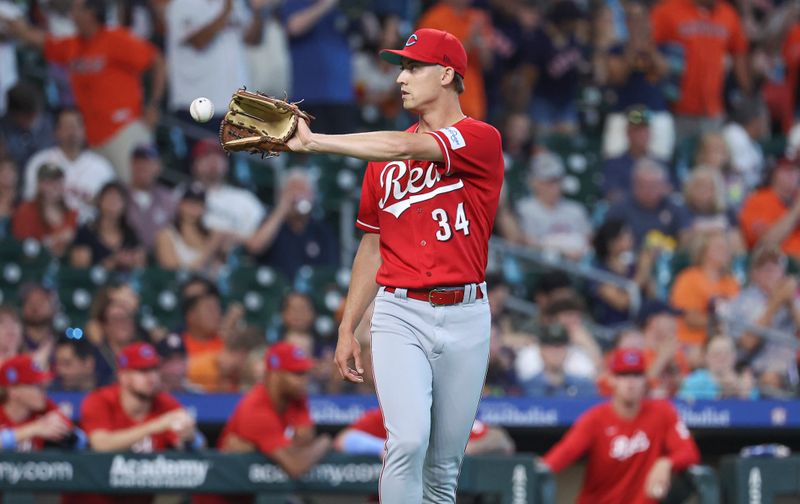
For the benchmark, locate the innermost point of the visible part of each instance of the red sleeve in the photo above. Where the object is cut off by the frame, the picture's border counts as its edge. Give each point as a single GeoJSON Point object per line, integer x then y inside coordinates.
{"type": "Point", "coordinates": [22, 222]}
{"type": "Point", "coordinates": [470, 146]}
{"type": "Point", "coordinates": [479, 430]}
{"type": "Point", "coordinates": [167, 403]}
{"type": "Point", "coordinates": [262, 428]}
{"type": "Point", "coordinates": [59, 50]}
{"type": "Point", "coordinates": [300, 414]}
{"type": "Point", "coordinates": [371, 422]}
{"type": "Point", "coordinates": [51, 406]}
{"type": "Point", "coordinates": [681, 448]}
{"type": "Point", "coordinates": [573, 445]}
{"type": "Point", "coordinates": [737, 42]}
{"type": "Point", "coordinates": [129, 50]}
{"type": "Point", "coordinates": [95, 413]}
{"type": "Point", "coordinates": [368, 207]}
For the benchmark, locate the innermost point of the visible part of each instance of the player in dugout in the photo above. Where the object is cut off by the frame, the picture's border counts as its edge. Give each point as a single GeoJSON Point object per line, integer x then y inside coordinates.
{"type": "Point", "coordinates": [28, 419]}
{"type": "Point", "coordinates": [274, 418]}
{"type": "Point", "coordinates": [367, 436]}
{"type": "Point", "coordinates": [634, 446]}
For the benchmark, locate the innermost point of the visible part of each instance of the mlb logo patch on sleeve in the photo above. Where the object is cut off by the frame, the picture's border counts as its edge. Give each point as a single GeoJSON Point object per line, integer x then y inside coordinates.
{"type": "Point", "coordinates": [454, 137]}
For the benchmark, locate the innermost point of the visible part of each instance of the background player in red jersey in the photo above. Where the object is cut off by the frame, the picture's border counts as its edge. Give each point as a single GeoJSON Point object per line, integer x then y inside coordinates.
{"type": "Point", "coordinates": [274, 418]}
{"type": "Point", "coordinates": [28, 418]}
{"type": "Point", "coordinates": [634, 445]}
{"type": "Point", "coordinates": [428, 204]}
{"type": "Point", "coordinates": [367, 436]}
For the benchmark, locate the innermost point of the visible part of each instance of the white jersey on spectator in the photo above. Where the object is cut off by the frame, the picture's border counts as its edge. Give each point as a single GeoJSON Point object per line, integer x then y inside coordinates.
{"type": "Point", "coordinates": [83, 178]}
{"type": "Point", "coordinates": [564, 228]}
{"type": "Point", "coordinates": [215, 71]}
{"type": "Point", "coordinates": [232, 210]}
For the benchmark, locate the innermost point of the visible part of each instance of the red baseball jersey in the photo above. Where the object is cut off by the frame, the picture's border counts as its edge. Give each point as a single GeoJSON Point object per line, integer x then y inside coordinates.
{"type": "Point", "coordinates": [621, 451]}
{"type": "Point", "coordinates": [256, 420]}
{"type": "Point", "coordinates": [434, 219]}
{"type": "Point", "coordinates": [102, 409]}
{"type": "Point", "coordinates": [34, 443]}
{"type": "Point", "coordinates": [371, 422]}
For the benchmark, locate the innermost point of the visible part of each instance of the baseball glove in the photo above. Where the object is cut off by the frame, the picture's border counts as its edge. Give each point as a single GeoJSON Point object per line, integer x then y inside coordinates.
{"type": "Point", "coordinates": [259, 124]}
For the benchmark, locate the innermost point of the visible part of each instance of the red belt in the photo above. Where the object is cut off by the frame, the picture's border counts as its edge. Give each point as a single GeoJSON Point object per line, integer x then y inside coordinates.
{"type": "Point", "coordinates": [439, 296]}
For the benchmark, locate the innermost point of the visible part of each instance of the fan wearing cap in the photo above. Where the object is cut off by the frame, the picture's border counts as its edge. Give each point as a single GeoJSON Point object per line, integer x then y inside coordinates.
{"type": "Point", "coordinates": [274, 419]}
{"type": "Point", "coordinates": [134, 414]}
{"type": "Point", "coordinates": [428, 204]}
{"type": "Point", "coordinates": [634, 445]}
{"type": "Point", "coordinates": [28, 418]}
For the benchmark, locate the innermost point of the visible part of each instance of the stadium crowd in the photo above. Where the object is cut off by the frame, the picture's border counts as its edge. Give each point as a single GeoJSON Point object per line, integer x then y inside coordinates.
{"type": "Point", "coordinates": [654, 142]}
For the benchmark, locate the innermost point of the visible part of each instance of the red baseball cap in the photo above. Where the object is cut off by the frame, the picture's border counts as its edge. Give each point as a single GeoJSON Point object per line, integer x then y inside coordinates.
{"type": "Point", "coordinates": [138, 356]}
{"type": "Point", "coordinates": [284, 356]}
{"type": "Point", "coordinates": [23, 370]}
{"type": "Point", "coordinates": [628, 361]}
{"type": "Point", "coordinates": [431, 46]}
{"type": "Point", "coordinates": [207, 146]}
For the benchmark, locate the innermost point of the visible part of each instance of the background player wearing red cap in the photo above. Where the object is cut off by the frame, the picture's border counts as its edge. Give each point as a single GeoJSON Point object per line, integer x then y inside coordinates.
{"type": "Point", "coordinates": [28, 418]}
{"type": "Point", "coordinates": [274, 418]}
{"type": "Point", "coordinates": [367, 436]}
{"type": "Point", "coordinates": [428, 204]}
{"type": "Point", "coordinates": [134, 415]}
{"type": "Point", "coordinates": [633, 445]}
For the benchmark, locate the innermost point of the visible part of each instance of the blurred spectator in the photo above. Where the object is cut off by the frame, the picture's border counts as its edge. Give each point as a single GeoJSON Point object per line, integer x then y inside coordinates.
{"type": "Point", "coordinates": [666, 362]}
{"type": "Point", "coordinates": [38, 306]}
{"type": "Point", "coordinates": [187, 244]}
{"type": "Point", "coordinates": [501, 377]}
{"type": "Point", "coordinates": [713, 153]}
{"type": "Point", "coordinates": [700, 289]}
{"type": "Point", "coordinates": [203, 35]}
{"type": "Point", "coordinates": [473, 27]}
{"type": "Point", "coordinates": [769, 301]}
{"type": "Point", "coordinates": [649, 211]}
{"type": "Point", "coordinates": [8, 195]}
{"type": "Point", "coordinates": [636, 75]}
{"type": "Point", "coordinates": [174, 365]}
{"type": "Point", "coordinates": [8, 55]}
{"type": "Point", "coordinates": [614, 253]}
{"type": "Point", "coordinates": [74, 365]}
{"type": "Point", "coordinates": [85, 172]}
{"type": "Point", "coordinates": [316, 33]}
{"type": "Point", "coordinates": [203, 334]}
{"type": "Point", "coordinates": [707, 30]}
{"type": "Point", "coordinates": [25, 129]}
{"type": "Point", "coordinates": [627, 435]}
{"type": "Point", "coordinates": [548, 220]}
{"type": "Point", "coordinates": [119, 292]}
{"type": "Point", "coordinates": [292, 236]}
{"type": "Point", "coordinates": [367, 436]}
{"type": "Point", "coordinates": [517, 139]}
{"type": "Point", "coordinates": [719, 379]}
{"type": "Point", "coordinates": [105, 68]}
{"type": "Point", "coordinates": [10, 333]}
{"type": "Point", "coordinates": [28, 419]}
{"type": "Point", "coordinates": [553, 380]}
{"type": "Point", "coordinates": [749, 126]}
{"type": "Point", "coordinates": [133, 415]}
{"type": "Point", "coordinates": [771, 215]}
{"type": "Point", "coordinates": [707, 208]}
{"type": "Point", "coordinates": [375, 80]}
{"type": "Point", "coordinates": [618, 171]}
{"type": "Point", "coordinates": [108, 240]}
{"type": "Point", "coordinates": [269, 62]}
{"type": "Point", "coordinates": [47, 218]}
{"type": "Point", "coordinates": [119, 329]}
{"type": "Point", "coordinates": [273, 418]}
{"type": "Point", "coordinates": [152, 205]}
{"type": "Point", "coordinates": [223, 370]}
{"type": "Point", "coordinates": [552, 286]}
{"type": "Point", "coordinates": [556, 60]}
{"type": "Point", "coordinates": [228, 209]}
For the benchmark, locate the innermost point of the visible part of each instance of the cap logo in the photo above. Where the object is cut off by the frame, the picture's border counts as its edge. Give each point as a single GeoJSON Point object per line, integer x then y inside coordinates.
{"type": "Point", "coordinates": [146, 352]}
{"type": "Point", "coordinates": [36, 367]}
{"type": "Point", "coordinates": [631, 358]}
{"type": "Point", "coordinates": [274, 361]}
{"type": "Point", "coordinates": [298, 354]}
{"type": "Point", "coordinates": [412, 40]}
{"type": "Point", "coordinates": [123, 361]}
{"type": "Point", "coordinates": [11, 375]}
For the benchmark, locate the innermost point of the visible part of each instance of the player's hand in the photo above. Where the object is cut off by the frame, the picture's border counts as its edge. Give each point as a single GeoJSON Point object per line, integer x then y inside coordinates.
{"type": "Point", "coordinates": [52, 426]}
{"type": "Point", "coordinates": [174, 420]}
{"type": "Point", "coordinates": [658, 481]}
{"type": "Point", "coordinates": [302, 138]}
{"type": "Point", "coordinates": [347, 348]}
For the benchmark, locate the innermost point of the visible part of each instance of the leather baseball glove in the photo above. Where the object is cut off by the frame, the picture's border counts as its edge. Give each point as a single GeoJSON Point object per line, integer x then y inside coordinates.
{"type": "Point", "coordinates": [259, 124]}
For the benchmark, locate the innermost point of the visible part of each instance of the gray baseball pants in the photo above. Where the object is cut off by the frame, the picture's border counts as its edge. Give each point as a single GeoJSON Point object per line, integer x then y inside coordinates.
{"type": "Point", "coordinates": [430, 365]}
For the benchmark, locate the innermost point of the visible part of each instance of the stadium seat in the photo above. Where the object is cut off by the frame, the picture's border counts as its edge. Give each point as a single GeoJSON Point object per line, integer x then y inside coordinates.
{"type": "Point", "coordinates": [159, 291]}
{"type": "Point", "coordinates": [327, 286]}
{"type": "Point", "coordinates": [22, 262]}
{"type": "Point", "coordinates": [260, 289]}
{"type": "Point", "coordinates": [76, 290]}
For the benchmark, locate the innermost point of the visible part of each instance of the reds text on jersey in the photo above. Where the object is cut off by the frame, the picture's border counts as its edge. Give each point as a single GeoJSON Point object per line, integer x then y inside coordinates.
{"type": "Point", "coordinates": [435, 219]}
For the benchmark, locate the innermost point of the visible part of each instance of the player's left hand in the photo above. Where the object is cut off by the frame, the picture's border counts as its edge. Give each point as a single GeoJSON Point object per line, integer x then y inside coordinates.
{"type": "Point", "coordinates": [348, 348]}
{"type": "Point", "coordinates": [658, 481]}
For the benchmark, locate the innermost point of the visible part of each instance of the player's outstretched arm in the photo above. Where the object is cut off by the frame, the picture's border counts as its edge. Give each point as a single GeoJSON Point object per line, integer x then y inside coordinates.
{"type": "Point", "coordinates": [363, 289]}
{"type": "Point", "coordinates": [370, 146]}
{"type": "Point", "coordinates": [296, 460]}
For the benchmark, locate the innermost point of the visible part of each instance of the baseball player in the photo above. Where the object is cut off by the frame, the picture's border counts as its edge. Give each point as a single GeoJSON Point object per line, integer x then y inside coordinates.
{"type": "Point", "coordinates": [428, 203]}
{"type": "Point", "coordinates": [634, 446]}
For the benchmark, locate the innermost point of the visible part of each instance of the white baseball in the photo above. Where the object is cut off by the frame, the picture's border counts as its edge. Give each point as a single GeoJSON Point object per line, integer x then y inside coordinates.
{"type": "Point", "coordinates": [201, 109]}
